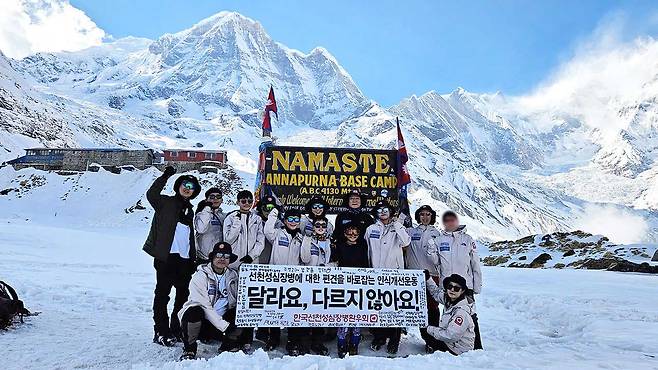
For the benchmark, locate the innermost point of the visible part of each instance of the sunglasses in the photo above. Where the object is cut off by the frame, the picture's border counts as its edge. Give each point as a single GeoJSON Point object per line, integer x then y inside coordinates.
{"type": "Point", "coordinates": [246, 201]}
{"type": "Point", "coordinates": [293, 219]}
{"type": "Point", "coordinates": [356, 234]}
{"type": "Point", "coordinates": [383, 210]}
{"type": "Point", "coordinates": [317, 206]}
{"type": "Point", "coordinates": [454, 288]}
{"type": "Point", "coordinates": [189, 185]}
{"type": "Point", "coordinates": [269, 207]}
{"type": "Point", "coordinates": [226, 256]}
{"type": "Point", "coordinates": [320, 225]}
{"type": "Point", "coordinates": [214, 196]}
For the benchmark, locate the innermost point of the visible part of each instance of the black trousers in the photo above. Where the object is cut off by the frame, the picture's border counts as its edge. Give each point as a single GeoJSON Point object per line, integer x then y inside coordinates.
{"type": "Point", "coordinates": [441, 346]}
{"type": "Point", "coordinates": [393, 335]}
{"type": "Point", "coordinates": [433, 316]}
{"type": "Point", "coordinates": [195, 327]}
{"type": "Point", "coordinates": [176, 272]}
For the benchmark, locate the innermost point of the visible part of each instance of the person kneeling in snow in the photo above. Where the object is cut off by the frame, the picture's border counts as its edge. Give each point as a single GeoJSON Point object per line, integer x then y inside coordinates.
{"type": "Point", "coordinates": [210, 310]}
{"type": "Point", "coordinates": [456, 330]}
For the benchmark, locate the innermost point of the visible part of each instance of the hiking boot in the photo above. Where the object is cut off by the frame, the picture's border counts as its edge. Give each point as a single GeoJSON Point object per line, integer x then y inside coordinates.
{"type": "Point", "coordinates": [247, 349]}
{"type": "Point", "coordinates": [429, 350]}
{"type": "Point", "coordinates": [164, 340]}
{"type": "Point", "coordinates": [228, 346]}
{"type": "Point", "coordinates": [377, 344]}
{"type": "Point", "coordinates": [320, 349]}
{"type": "Point", "coordinates": [353, 349]}
{"type": "Point", "coordinates": [272, 344]}
{"type": "Point", "coordinates": [187, 355]}
{"type": "Point", "coordinates": [293, 349]}
{"type": "Point", "coordinates": [262, 335]}
{"type": "Point", "coordinates": [392, 349]}
{"type": "Point", "coordinates": [342, 351]}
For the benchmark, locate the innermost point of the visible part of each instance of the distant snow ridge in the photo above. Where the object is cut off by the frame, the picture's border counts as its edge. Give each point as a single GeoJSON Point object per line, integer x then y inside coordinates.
{"type": "Point", "coordinates": [205, 87]}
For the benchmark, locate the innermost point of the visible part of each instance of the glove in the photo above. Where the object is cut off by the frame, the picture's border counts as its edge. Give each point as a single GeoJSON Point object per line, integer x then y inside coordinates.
{"type": "Point", "coordinates": [223, 325]}
{"type": "Point", "coordinates": [246, 259]}
{"type": "Point", "coordinates": [401, 218]}
{"type": "Point", "coordinates": [274, 213]}
{"type": "Point", "coordinates": [427, 274]}
{"type": "Point", "coordinates": [169, 171]}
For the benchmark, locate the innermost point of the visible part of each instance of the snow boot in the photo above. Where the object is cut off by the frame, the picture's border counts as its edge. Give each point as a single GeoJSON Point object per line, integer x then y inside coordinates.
{"type": "Point", "coordinates": [320, 349]}
{"type": "Point", "coordinates": [272, 344]}
{"type": "Point", "coordinates": [262, 335]}
{"type": "Point", "coordinates": [247, 349]}
{"type": "Point", "coordinates": [293, 349]}
{"type": "Point", "coordinates": [187, 355]}
{"type": "Point", "coordinates": [429, 350]}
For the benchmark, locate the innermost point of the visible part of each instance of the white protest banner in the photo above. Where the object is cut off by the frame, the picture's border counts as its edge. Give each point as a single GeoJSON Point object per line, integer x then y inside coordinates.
{"type": "Point", "coordinates": [314, 296]}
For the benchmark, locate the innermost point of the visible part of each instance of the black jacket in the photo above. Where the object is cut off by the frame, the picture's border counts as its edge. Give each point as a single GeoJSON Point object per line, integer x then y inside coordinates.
{"type": "Point", "coordinates": [360, 218]}
{"type": "Point", "coordinates": [168, 211]}
{"type": "Point", "coordinates": [351, 255]}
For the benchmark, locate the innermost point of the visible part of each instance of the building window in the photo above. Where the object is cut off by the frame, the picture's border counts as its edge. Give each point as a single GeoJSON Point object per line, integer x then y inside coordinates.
{"type": "Point", "coordinates": [209, 155]}
{"type": "Point", "coordinates": [191, 154]}
{"type": "Point", "coordinates": [173, 154]}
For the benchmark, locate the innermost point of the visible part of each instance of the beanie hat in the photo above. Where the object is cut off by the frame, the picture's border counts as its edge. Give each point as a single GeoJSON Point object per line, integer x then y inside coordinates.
{"type": "Point", "coordinates": [455, 278]}
{"type": "Point", "coordinates": [292, 212]}
{"type": "Point", "coordinates": [242, 194]}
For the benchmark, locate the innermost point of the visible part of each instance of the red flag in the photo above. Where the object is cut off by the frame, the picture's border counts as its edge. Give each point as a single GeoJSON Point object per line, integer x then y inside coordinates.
{"type": "Point", "coordinates": [404, 177]}
{"type": "Point", "coordinates": [270, 106]}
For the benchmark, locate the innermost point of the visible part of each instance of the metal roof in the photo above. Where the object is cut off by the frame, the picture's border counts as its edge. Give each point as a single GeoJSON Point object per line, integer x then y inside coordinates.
{"type": "Point", "coordinates": [194, 150]}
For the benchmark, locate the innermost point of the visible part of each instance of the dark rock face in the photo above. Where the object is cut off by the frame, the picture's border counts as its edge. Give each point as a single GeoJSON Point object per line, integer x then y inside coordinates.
{"type": "Point", "coordinates": [614, 264]}
{"type": "Point", "coordinates": [540, 260]}
{"type": "Point", "coordinates": [655, 256]}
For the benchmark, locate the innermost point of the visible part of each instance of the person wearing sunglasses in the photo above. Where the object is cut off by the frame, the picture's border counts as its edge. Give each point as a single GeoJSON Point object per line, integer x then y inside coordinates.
{"type": "Point", "coordinates": [354, 202]}
{"type": "Point", "coordinates": [243, 229]}
{"type": "Point", "coordinates": [316, 208]}
{"type": "Point", "coordinates": [386, 238]}
{"type": "Point", "coordinates": [458, 255]}
{"type": "Point", "coordinates": [352, 251]}
{"type": "Point", "coordinates": [286, 248]}
{"type": "Point", "coordinates": [209, 224]}
{"type": "Point", "coordinates": [423, 254]}
{"type": "Point", "coordinates": [209, 313]}
{"type": "Point", "coordinates": [171, 244]}
{"type": "Point", "coordinates": [455, 332]}
{"type": "Point", "coordinates": [264, 207]}
{"type": "Point", "coordinates": [316, 251]}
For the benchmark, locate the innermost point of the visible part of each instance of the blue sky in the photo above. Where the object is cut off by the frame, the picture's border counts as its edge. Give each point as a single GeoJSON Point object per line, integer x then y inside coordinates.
{"type": "Point", "coordinates": [394, 49]}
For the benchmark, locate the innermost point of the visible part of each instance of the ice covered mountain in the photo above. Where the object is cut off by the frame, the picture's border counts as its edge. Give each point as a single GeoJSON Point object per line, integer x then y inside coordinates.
{"type": "Point", "coordinates": [206, 87]}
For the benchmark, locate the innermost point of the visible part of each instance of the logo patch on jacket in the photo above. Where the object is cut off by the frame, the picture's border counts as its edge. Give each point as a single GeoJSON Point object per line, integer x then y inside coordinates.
{"type": "Point", "coordinates": [212, 289]}
{"type": "Point", "coordinates": [416, 237]}
{"type": "Point", "coordinates": [283, 241]}
{"type": "Point", "coordinates": [459, 320]}
{"type": "Point", "coordinates": [214, 222]}
{"type": "Point", "coordinates": [315, 251]}
{"type": "Point", "coordinates": [374, 234]}
{"type": "Point", "coordinates": [444, 247]}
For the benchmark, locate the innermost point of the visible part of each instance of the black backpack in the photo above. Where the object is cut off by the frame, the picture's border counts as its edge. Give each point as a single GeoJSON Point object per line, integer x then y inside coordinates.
{"type": "Point", "coordinates": [10, 306]}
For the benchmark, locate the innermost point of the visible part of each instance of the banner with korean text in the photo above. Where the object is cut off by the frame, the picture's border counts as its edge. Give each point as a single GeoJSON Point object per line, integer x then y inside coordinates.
{"type": "Point", "coordinates": [314, 296]}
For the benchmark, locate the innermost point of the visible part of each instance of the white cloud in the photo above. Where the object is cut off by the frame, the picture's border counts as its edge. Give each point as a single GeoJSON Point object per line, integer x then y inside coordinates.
{"type": "Point", "coordinates": [614, 67]}
{"type": "Point", "coordinates": [619, 225]}
{"type": "Point", "coordinates": [31, 26]}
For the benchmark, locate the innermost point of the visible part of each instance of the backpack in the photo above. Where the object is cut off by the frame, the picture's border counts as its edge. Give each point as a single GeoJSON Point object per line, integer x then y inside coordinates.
{"type": "Point", "coordinates": [10, 306]}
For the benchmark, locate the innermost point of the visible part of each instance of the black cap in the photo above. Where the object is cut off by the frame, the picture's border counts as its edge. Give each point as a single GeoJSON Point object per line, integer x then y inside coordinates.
{"type": "Point", "coordinates": [455, 278]}
{"type": "Point", "coordinates": [448, 214]}
{"type": "Point", "coordinates": [317, 200]}
{"type": "Point", "coordinates": [292, 212]}
{"type": "Point", "coordinates": [225, 248]}
{"type": "Point", "coordinates": [346, 199]}
{"type": "Point", "coordinates": [426, 208]}
{"type": "Point", "coordinates": [213, 190]}
{"type": "Point", "coordinates": [265, 201]}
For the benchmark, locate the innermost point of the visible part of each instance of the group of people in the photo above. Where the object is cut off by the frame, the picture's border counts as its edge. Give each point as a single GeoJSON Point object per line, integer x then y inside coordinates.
{"type": "Point", "coordinates": [199, 252]}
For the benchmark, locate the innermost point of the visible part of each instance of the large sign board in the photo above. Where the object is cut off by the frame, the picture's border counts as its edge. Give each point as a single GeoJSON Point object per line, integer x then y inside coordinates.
{"type": "Point", "coordinates": [314, 296]}
{"type": "Point", "coordinates": [296, 174]}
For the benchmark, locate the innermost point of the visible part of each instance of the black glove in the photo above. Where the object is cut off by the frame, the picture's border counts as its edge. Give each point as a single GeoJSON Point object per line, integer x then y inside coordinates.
{"type": "Point", "coordinates": [246, 259]}
{"type": "Point", "coordinates": [427, 274]}
{"type": "Point", "coordinates": [169, 171]}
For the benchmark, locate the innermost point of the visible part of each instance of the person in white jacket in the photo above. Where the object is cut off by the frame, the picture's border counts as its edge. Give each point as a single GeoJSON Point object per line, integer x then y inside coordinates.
{"type": "Point", "coordinates": [386, 238]}
{"type": "Point", "coordinates": [458, 255]}
{"type": "Point", "coordinates": [243, 230]}
{"type": "Point", "coordinates": [316, 251]}
{"type": "Point", "coordinates": [423, 254]}
{"type": "Point", "coordinates": [286, 247]}
{"type": "Point", "coordinates": [455, 332]}
{"type": "Point", "coordinates": [209, 312]}
{"type": "Point", "coordinates": [208, 224]}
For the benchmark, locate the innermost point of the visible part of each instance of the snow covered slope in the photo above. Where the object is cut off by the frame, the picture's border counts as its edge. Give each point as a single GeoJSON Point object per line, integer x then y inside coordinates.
{"type": "Point", "coordinates": [510, 167]}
